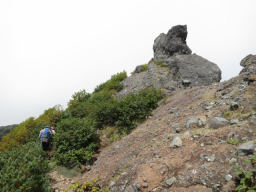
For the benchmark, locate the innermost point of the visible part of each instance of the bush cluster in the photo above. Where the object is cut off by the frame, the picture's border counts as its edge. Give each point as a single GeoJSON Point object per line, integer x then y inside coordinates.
{"type": "Point", "coordinates": [75, 141]}
{"type": "Point", "coordinates": [23, 169]}
{"type": "Point", "coordinates": [113, 84]}
{"type": "Point", "coordinates": [246, 180]}
{"type": "Point", "coordinates": [88, 186]}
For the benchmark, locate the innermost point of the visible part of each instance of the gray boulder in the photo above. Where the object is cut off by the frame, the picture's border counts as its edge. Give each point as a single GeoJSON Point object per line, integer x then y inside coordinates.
{"type": "Point", "coordinates": [218, 122]}
{"type": "Point", "coordinates": [170, 181]}
{"type": "Point", "coordinates": [246, 148]}
{"type": "Point", "coordinates": [194, 69]}
{"type": "Point", "coordinates": [176, 128]}
{"type": "Point", "coordinates": [172, 43]}
{"type": "Point", "coordinates": [192, 122]}
{"type": "Point", "coordinates": [176, 142]}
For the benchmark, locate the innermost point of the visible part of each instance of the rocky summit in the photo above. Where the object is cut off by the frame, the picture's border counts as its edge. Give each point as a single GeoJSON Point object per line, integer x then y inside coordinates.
{"type": "Point", "coordinates": [173, 66]}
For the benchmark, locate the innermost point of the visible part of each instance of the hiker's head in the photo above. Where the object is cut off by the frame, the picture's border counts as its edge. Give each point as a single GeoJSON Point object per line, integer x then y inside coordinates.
{"type": "Point", "coordinates": [47, 126]}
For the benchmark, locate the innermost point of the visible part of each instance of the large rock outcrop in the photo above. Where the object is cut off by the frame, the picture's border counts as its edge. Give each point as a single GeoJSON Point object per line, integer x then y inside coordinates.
{"type": "Point", "coordinates": [173, 65]}
{"type": "Point", "coordinates": [172, 43]}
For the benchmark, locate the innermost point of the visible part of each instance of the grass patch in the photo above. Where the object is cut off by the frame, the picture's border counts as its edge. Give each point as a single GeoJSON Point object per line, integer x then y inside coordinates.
{"type": "Point", "coordinates": [161, 63]}
{"type": "Point", "coordinates": [237, 114]}
{"type": "Point", "coordinates": [233, 141]}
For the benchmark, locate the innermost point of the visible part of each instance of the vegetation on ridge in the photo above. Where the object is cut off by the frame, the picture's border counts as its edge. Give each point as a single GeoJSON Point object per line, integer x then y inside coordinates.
{"type": "Point", "coordinates": [76, 138]}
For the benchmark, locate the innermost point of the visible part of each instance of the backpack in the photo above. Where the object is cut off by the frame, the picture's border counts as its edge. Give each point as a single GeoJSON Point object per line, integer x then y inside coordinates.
{"type": "Point", "coordinates": [46, 136]}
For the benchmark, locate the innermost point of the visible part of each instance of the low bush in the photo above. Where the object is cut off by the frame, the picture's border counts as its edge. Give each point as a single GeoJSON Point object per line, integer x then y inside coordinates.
{"type": "Point", "coordinates": [113, 84]}
{"type": "Point", "coordinates": [75, 141]}
{"type": "Point", "coordinates": [246, 181]}
{"type": "Point", "coordinates": [23, 169]}
{"type": "Point", "coordinates": [136, 107]}
{"type": "Point", "coordinates": [88, 186]}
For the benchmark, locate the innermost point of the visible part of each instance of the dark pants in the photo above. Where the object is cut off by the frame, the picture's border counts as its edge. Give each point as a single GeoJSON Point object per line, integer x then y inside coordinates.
{"type": "Point", "coordinates": [45, 146]}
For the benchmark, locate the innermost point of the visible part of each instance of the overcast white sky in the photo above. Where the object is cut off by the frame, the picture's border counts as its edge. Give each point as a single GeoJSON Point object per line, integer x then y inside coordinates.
{"type": "Point", "coordinates": [50, 49]}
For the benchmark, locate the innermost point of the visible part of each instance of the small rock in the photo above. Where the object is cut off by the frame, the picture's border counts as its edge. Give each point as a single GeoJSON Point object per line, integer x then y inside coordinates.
{"type": "Point", "coordinates": [145, 179]}
{"type": "Point", "coordinates": [186, 135]}
{"type": "Point", "coordinates": [173, 110]}
{"type": "Point", "coordinates": [233, 106]}
{"type": "Point", "coordinates": [144, 185]}
{"type": "Point", "coordinates": [228, 177]}
{"type": "Point", "coordinates": [195, 136]}
{"type": "Point", "coordinates": [112, 183]}
{"type": "Point", "coordinates": [202, 144]}
{"type": "Point", "coordinates": [211, 159]}
{"type": "Point", "coordinates": [234, 121]}
{"type": "Point", "coordinates": [176, 128]}
{"type": "Point", "coordinates": [207, 108]}
{"type": "Point", "coordinates": [246, 148]}
{"type": "Point", "coordinates": [218, 122]}
{"type": "Point", "coordinates": [88, 167]}
{"type": "Point", "coordinates": [231, 135]}
{"type": "Point", "coordinates": [232, 160]}
{"type": "Point", "coordinates": [244, 138]}
{"type": "Point", "coordinates": [192, 122]}
{"type": "Point", "coordinates": [170, 181]}
{"type": "Point", "coordinates": [176, 142]}
{"type": "Point", "coordinates": [186, 82]}
{"type": "Point", "coordinates": [190, 166]}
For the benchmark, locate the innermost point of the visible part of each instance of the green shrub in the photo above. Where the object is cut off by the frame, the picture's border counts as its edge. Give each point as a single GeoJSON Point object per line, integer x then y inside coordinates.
{"type": "Point", "coordinates": [136, 107]}
{"type": "Point", "coordinates": [23, 169]}
{"type": "Point", "coordinates": [75, 141]}
{"type": "Point", "coordinates": [88, 186]}
{"type": "Point", "coordinates": [160, 63]}
{"type": "Point", "coordinates": [75, 105]}
{"type": "Point", "coordinates": [233, 141]}
{"type": "Point", "coordinates": [113, 84]}
{"type": "Point", "coordinates": [246, 181]}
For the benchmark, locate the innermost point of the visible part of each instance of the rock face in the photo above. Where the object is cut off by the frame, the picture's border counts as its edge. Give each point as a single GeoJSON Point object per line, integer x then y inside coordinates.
{"type": "Point", "coordinates": [172, 43]}
{"type": "Point", "coordinates": [173, 66]}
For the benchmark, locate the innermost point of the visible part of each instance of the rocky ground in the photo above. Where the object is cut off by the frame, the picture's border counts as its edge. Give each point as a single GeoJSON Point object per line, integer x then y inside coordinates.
{"type": "Point", "coordinates": [190, 143]}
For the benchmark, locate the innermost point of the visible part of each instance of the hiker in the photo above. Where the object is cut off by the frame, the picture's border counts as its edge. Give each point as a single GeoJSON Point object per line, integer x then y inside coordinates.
{"type": "Point", "coordinates": [45, 138]}
{"type": "Point", "coordinates": [52, 130]}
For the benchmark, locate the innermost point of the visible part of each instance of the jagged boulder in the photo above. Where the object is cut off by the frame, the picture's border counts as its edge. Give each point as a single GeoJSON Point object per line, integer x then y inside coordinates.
{"type": "Point", "coordinates": [172, 43]}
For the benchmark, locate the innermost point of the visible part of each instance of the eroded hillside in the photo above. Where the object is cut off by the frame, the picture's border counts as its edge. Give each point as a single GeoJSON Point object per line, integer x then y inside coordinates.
{"type": "Point", "coordinates": [205, 148]}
